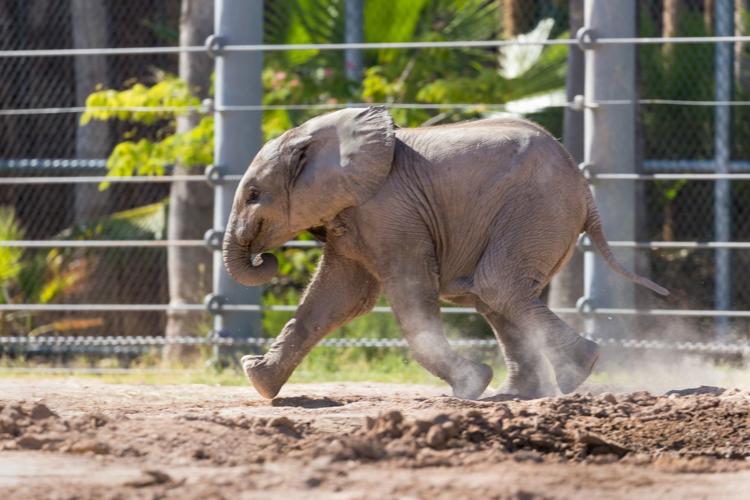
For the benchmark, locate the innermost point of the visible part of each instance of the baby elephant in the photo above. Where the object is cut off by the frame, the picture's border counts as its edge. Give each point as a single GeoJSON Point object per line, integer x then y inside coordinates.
{"type": "Point", "coordinates": [479, 213]}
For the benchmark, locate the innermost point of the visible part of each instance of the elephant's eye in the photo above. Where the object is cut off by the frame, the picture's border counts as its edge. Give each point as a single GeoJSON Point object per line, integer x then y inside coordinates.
{"type": "Point", "coordinates": [252, 196]}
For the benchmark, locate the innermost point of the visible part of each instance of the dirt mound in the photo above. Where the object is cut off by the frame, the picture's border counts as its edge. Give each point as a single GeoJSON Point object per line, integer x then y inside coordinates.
{"type": "Point", "coordinates": [601, 428]}
{"type": "Point", "coordinates": [33, 426]}
{"type": "Point", "coordinates": [195, 442]}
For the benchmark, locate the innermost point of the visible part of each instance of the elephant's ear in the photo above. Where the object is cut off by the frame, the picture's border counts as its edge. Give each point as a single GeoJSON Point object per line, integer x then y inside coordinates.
{"type": "Point", "coordinates": [346, 162]}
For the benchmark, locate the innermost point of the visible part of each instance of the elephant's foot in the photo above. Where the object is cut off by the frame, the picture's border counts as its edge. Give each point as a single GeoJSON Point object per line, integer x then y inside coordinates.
{"type": "Point", "coordinates": [513, 389]}
{"type": "Point", "coordinates": [470, 379]}
{"type": "Point", "coordinates": [574, 363]}
{"type": "Point", "coordinates": [265, 376]}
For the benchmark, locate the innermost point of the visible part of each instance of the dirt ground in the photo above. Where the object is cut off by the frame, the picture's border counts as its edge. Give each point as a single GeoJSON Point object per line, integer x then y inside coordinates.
{"type": "Point", "coordinates": [79, 438]}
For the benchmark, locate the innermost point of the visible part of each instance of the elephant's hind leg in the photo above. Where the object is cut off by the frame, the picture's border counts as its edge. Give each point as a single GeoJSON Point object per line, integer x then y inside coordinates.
{"type": "Point", "coordinates": [572, 357]}
{"type": "Point", "coordinates": [527, 372]}
{"type": "Point", "coordinates": [340, 291]}
{"type": "Point", "coordinates": [415, 303]}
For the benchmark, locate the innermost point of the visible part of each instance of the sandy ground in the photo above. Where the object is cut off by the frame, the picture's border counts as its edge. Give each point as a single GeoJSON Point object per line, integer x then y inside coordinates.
{"type": "Point", "coordinates": [79, 438]}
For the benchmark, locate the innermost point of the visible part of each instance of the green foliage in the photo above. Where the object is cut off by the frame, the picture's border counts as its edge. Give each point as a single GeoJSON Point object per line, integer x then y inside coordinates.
{"type": "Point", "coordinates": [42, 277]}
{"type": "Point", "coordinates": [168, 92]}
{"type": "Point", "coordinates": [10, 257]}
{"type": "Point", "coordinates": [434, 76]}
{"type": "Point", "coordinates": [29, 277]}
{"type": "Point", "coordinates": [148, 156]}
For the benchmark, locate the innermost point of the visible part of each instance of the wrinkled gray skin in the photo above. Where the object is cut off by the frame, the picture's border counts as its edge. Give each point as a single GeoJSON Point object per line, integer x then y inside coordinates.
{"type": "Point", "coordinates": [479, 213]}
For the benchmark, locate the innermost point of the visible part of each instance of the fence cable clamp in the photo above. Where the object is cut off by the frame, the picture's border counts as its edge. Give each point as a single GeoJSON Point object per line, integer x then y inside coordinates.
{"type": "Point", "coordinates": [578, 103]}
{"type": "Point", "coordinates": [214, 45]}
{"type": "Point", "coordinates": [584, 242]}
{"type": "Point", "coordinates": [213, 239]}
{"type": "Point", "coordinates": [215, 174]}
{"type": "Point", "coordinates": [207, 106]}
{"type": "Point", "coordinates": [586, 170]}
{"type": "Point", "coordinates": [586, 38]}
{"type": "Point", "coordinates": [585, 307]}
{"type": "Point", "coordinates": [214, 303]}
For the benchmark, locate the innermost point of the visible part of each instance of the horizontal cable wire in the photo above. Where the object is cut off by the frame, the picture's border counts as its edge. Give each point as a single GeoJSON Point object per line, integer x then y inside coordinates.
{"type": "Point", "coordinates": [95, 179]}
{"type": "Point", "coordinates": [129, 243]}
{"type": "Point", "coordinates": [665, 102]}
{"type": "Point", "coordinates": [457, 44]}
{"type": "Point", "coordinates": [654, 245]}
{"type": "Point", "coordinates": [106, 51]}
{"type": "Point", "coordinates": [738, 245]}
{"type": "Point", "coordinates": [158, 341]}
{"type": "Point", "coordinates": [669, 177]}
{"type": "Point", "coordinates": [82, 109]}
{"type": "Point", "coordinates": [691, 166]}
{"type": "Point", "coordinates": [602, 311]}
{"type": "Point", "coordinates": [119, 51]}
{"type": "Point", "coordinates": [262, 107]}
{"type": "Point", "coordinates": [202, 307]}
{"type": "Point", "coordinates": [235, 178]}
{"type": "Point", "coordinates": [696, 313]}
{"type": "Point", "coordinates": [330, 107]}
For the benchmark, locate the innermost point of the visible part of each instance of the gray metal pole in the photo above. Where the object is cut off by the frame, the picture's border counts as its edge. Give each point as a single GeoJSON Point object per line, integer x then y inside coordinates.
{"type": "Point", "coordinates": [237, 138]}
{"type": "Point", "coordinates": [609, 147]}
{"type": "Point", "coordinates": [722, 191]}
{"type": "Point", "coordinates": [354, 34]}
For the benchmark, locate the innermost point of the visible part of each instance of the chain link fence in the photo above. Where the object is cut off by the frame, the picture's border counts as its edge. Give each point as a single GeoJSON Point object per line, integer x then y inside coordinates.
{"type": "Point", "coordinates": [441, 61]}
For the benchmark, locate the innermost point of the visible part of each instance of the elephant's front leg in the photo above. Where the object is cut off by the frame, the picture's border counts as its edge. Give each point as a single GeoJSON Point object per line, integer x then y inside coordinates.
{"type": "Point", "coordinates": [340, 291]}
{"type": "Point", "coordinates": [413, 296]}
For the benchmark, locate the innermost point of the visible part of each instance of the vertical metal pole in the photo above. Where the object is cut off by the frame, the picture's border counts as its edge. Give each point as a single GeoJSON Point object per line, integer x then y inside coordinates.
{"type": "Point", "coordinates": [354, 34]}
{"type": "Point", "coordinates": [237, 138]}
{"type": "Point", "coordinates": [723, 10]}
{"type": "Point", "coordinates": [609, 146]}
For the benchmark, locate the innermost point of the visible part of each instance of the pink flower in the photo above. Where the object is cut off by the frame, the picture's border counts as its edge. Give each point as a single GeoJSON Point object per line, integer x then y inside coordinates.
{"type": "Point", "coordinates": [294, 82]}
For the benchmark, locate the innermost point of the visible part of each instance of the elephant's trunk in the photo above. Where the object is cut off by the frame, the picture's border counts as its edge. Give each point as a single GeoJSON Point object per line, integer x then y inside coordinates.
{"type": "Point", "coordinates": [246, 268]}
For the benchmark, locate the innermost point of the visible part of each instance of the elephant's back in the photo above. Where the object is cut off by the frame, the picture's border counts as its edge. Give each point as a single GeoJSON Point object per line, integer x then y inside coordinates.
{"type": "Point", "coordinates": [483, 157]}
{"type": "Point", "coordinates": [484, 179]}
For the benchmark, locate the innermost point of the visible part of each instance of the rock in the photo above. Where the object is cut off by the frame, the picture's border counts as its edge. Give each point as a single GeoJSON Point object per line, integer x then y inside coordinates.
{"type": "Point", "coordinates": [89, 446]}
{"type": "Point", "coordinates": [285, 426]}
{"type": "Point", "coordinates": [696, 391]}
{"type": "Point", "coordinates": [450, 429]}
{"type": "Point", "coordinates": [41, 412]}
{"type": "Point", "coordinates": [369, 423]}
{"type": "Point", "coordinates": [8, 426]}
{"type": "Point", "coordinates": [436, 437]}
{"type": "Point", "coordinates": [394, 416]}
{"type": "Point", "coordinates": [527, 456]}
{"type": "Point", "coordinates": [313, 481]}
{"type": "Point", "coordinates": [150, 478]}
{"type": "Point", "coordinates": [368, 449]}
{"type": "Point", "coordinates": [281, 422]}
{"type": "Point", "coordinates": [30, 443]}
{"type": "Point", "coordinates": [608, 397]}
{"type": "Point", "coordinates": [597, 445]}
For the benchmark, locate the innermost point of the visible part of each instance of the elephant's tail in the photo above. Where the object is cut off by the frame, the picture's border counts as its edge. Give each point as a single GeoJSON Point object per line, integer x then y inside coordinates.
{"type": "Point", "coordinates": [593, 228]}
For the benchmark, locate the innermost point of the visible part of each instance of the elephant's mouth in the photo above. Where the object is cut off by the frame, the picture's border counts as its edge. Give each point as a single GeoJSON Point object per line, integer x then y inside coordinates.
{"type": "Point", "coordinates": [256, 244]}
{"type": "Point", "coordinates": [244, 262]}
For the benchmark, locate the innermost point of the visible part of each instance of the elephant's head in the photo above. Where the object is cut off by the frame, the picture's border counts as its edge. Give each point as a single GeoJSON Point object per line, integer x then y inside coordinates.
{"type": "Point", "coordinates": [303, 179]}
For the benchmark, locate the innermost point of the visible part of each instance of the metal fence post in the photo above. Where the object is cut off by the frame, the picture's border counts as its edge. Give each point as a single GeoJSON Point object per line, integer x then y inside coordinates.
{"type": "Point", "coordinates": [354, 33]}
{"type": "Point", "coordinates": [238, 137]}
{"type": "Point", "coordinates": [609, 147]}
{"type": "Point", "coordinates": [722, 134]}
